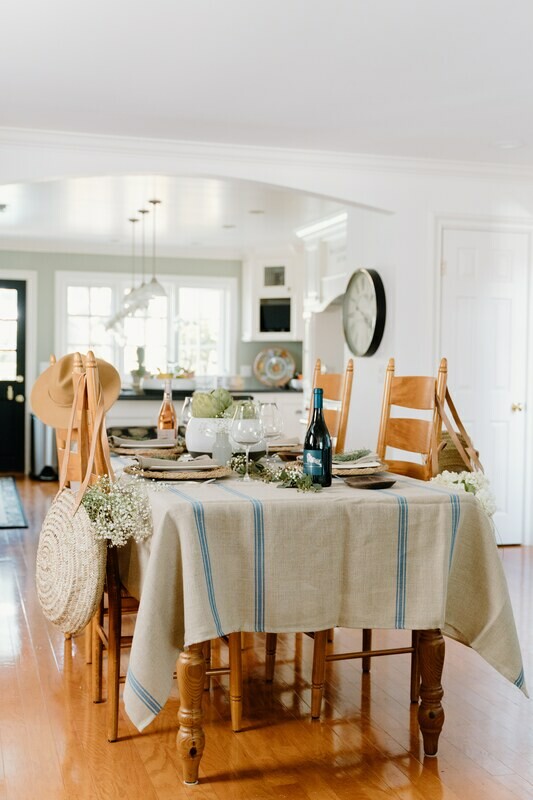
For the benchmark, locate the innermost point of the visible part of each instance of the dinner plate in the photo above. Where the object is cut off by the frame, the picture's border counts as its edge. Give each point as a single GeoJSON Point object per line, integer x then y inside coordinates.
{"type": "Point", "coordinates": [145, 444]}
{"type": "Point", "coordinates": [274, 366]}
{"type": "Point", "coordinates": [174, 466]}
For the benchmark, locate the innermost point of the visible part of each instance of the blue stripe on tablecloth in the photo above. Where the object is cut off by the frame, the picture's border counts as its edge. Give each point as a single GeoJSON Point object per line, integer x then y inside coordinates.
{"type": "Point", "coordinates": [401, 564]}
{"type": "Point", "coordinates": [520, 680]}
{"type": "Point", "coordinates": [259, 554]}
{"type": "Point", "coordinates": [144, 696]}
{"type": "Point", "coordinates": [206, 559]}
{"type": "Point", "coordinates": [456, 508]}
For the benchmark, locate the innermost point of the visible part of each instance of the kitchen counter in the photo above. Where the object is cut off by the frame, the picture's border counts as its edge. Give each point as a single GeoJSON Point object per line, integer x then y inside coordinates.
{"type": "Point", "coordinates": [181, 394]}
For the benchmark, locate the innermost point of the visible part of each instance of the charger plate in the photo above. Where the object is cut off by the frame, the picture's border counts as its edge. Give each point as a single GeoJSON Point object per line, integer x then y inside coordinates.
{"type": "Point", "coordinates": [347, 473]}
{"type": "Point", "coordinates": [191, 475]}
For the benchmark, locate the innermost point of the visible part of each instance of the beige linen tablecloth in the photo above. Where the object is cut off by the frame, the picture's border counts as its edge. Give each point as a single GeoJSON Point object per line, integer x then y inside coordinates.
{"type": "Point", "coordinates": [232, 556]}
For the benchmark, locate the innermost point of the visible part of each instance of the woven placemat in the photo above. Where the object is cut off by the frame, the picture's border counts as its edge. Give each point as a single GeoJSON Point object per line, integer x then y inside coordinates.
{"type": "Point", "coordinates": [189, 475]}
{"type": "Point", "coordinates": [345, 473]}
{"type": "Point", "coordinates": [161, 452]}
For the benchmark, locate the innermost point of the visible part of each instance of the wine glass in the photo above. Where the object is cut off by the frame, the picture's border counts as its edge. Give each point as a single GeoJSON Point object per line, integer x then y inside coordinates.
{"type": "Point", "coordinates": [186, 411]}
{"type": "Point", "coordinates": [247, 428]}
{"type": "Point", "coordinates": [272, 423]}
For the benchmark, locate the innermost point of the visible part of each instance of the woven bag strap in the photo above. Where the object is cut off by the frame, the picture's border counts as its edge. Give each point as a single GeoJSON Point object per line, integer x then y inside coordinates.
{"type": "Point", "coordinates": [468, 453]}
{"type": "Point", "coordinates": [98, 435]}
{"type": "Point", "coordinates": [64, 466]}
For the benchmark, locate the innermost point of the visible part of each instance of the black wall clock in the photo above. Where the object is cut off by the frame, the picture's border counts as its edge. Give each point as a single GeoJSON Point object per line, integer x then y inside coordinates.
{"type": "Point", "coordinates": [363, 312]}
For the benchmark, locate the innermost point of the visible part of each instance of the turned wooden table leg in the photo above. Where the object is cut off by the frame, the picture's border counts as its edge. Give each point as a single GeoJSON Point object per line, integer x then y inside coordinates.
{"type": "Point", "coordinates": [191, 739]}
{"type": "Point", "coordinates": [430, 712]}
{"type": "Point", "coordinates": [319, 672]}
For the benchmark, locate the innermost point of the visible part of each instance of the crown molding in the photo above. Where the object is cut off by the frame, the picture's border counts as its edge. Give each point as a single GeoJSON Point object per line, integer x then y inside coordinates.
{"type": "Point", "coordinates": [279, 156]}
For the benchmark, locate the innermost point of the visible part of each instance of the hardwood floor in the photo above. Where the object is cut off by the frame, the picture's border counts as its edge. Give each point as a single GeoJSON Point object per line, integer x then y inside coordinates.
{"type": "Point", "coordinates": [367, 746]}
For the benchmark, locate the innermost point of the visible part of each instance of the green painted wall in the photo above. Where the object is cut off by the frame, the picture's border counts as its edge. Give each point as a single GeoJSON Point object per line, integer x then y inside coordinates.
{"type": "Point", "coordinates": [46, 265]}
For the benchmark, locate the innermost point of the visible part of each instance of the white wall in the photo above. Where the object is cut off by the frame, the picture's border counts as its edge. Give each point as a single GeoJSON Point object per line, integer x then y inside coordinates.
{"type": "Point", "coordinates": [402, 244]}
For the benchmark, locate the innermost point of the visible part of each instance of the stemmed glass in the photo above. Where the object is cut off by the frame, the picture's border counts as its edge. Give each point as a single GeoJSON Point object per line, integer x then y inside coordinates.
{"type": "Point", "coordinates": [272, 423]}
{"type": "Point", "coordinates": [186, 411]}
{"type": "Point", "coordinates": [247, 428]}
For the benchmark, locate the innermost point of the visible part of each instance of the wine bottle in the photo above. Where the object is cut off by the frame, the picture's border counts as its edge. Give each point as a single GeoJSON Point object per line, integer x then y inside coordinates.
{"type": "Point", "coordinates": [167, 421]}
{"type": "Point", "coordinates": [317, 444]}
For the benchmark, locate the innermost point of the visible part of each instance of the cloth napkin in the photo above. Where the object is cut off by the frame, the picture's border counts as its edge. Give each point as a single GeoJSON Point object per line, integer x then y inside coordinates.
{"type": "Point", "coordinates": [161, 464]}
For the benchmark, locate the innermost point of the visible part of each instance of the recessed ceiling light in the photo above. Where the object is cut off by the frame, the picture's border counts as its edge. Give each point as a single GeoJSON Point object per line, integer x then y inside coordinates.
{"type": "Point", "coordinates": [229, 226]}
{"type": "Point", "coordinates": [256, 211]}
{"type": "Point", "coordinates": [509, 144]}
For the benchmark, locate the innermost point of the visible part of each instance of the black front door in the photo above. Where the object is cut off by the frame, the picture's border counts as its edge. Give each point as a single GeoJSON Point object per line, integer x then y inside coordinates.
{"type": "Point", "coordinates": [12, 374]}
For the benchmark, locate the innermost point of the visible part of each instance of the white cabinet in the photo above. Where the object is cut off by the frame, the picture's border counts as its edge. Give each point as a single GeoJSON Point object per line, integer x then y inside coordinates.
{"type": "Point", "coordinates": [272, 298]}
{"type": "Point", "coordinates": [291, 406]}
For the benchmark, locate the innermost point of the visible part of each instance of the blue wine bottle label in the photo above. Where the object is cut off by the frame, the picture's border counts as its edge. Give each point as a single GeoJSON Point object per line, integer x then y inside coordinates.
{"type": "Point", "coordinates": [313, 462]}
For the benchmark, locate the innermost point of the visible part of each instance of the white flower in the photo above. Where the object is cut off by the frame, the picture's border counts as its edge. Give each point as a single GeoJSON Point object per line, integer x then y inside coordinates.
{"type": "Point", "coordinates": [475, 483]}
{"type": "Point", "coordinates": [119, 511]}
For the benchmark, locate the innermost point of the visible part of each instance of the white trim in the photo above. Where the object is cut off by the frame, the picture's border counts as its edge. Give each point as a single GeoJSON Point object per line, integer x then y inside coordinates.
{"type": "Point", "coordinates": [31, 279]}
{"type": "Point", "coordinates": [124, 147]}
{"type": "Point", "coordinates": [501, 225]}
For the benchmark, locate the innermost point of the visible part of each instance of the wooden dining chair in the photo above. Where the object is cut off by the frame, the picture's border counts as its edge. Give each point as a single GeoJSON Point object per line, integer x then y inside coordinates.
{"type": "Point", "coordinates": [419, 438]}
{"type": "Point", "coordinates": [117, 603]}
{"type": "Point", "coordinates": [337, 387]}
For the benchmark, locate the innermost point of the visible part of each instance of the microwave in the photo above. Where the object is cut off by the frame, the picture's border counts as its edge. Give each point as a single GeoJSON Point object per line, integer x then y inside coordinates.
{"type": "Point", "coordinates": [275, 314]}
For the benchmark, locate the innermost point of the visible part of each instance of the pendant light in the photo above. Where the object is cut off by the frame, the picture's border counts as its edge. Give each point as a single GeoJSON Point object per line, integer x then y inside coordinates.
{"type": "Point", "coordinates": [131, 299]}
{"type": "Point", "coordinates": [155, 288]}
{"type": "Point", "coordinates": [143, 292]}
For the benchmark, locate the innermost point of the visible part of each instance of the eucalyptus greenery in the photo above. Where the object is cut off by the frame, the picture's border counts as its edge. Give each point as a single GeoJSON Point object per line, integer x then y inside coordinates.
{"type": "Point", "coordinates": [286, 477]}
{"type": "Point", "coordinates": [119, 510]}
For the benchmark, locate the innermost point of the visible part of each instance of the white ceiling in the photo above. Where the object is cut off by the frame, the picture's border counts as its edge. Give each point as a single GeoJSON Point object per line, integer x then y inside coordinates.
{"type": "Point", "coordinates": [444, 80]}
{"type": "Point", "coordinates": [194, 218]}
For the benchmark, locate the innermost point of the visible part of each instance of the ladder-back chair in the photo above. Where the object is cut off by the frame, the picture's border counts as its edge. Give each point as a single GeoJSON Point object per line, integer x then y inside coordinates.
{"type": "Point", "coordinates": [337, 389]}
{"type": "Point", "coordinates": [420, 436]}
{"type": "Point", "coordinates": [120, 603]}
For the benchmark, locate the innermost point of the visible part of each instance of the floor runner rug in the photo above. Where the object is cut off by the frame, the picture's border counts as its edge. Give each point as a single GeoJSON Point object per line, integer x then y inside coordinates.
{"type": "Point", "coordinates": [11, 512]}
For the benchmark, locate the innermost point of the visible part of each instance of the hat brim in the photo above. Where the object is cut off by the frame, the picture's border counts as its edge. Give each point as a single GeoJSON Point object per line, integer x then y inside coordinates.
{"type": "Point", "coordinates": [58, 416]}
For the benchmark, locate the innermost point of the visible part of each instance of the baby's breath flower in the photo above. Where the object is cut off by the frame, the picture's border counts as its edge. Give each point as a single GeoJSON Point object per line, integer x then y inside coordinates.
{"type": "Point", "coordinates": [119, 510]}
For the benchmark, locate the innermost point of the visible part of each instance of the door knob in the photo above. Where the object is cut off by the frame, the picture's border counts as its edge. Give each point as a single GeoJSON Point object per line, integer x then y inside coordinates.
{"type": "Point", "coordinates": [20, 379]}
{"type": "Point", "coordinates": [517, 407]}
{"type": "Point", "coordinates": [19, 398]}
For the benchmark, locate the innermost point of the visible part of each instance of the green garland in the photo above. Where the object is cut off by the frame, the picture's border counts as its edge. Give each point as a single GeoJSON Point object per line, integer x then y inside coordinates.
{"type": "Point", "coordinates": [286, 477]}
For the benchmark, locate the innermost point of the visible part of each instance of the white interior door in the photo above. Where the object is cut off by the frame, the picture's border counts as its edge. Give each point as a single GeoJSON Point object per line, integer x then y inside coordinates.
{"type": "Point", "coordinates": [484, 335]}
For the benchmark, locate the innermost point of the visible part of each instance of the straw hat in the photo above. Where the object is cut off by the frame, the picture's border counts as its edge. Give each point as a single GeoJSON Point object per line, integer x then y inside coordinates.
{"type": "Point", "coordinates": [53, 391]}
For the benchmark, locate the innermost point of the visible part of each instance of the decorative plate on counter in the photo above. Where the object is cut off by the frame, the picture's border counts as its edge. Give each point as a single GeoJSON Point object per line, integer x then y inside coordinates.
{"type": "Point", "coordinates": [274, 366]}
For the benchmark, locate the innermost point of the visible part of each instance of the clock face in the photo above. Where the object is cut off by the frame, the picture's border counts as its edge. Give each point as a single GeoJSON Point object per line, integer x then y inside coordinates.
{"type": "Point", "coordinates": [363, 312]}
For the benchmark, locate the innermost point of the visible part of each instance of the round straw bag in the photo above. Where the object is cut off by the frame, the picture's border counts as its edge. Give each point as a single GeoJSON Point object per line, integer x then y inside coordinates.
{"type": "Point", "coordinates": [71, 565]}
{"type": "Point", "coordinates": [71, 561]}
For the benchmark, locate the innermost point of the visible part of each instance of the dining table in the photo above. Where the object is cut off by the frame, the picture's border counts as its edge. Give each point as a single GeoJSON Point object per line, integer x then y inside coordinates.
{"type": "Point", "coordinates": [229, 556]}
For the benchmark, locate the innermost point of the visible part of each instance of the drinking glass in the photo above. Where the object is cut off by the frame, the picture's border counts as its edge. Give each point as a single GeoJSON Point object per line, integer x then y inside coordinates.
{"type": "Point", "coordinates": [247, 428]}
{"type": "Point", "coordinates": [186, 411]}
{"type": "Point", "coordinates": [272, 423]}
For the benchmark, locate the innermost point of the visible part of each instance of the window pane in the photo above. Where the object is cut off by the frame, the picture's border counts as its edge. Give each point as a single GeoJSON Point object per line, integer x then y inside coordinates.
{"type": "Point", "coordinates": [78, 300]}
{"type": "Point", "coordinates": [8, 304]}
{"type": "Point", "coordinates": [156, 359]}
{"type": "Point", "coordinates": [134, 331]}
{"type": "Point", "coordinates": [99, 335]}
{"type": "Point", "coordinates": [8, 365]}
{"type": "Point", "coordinates": [156, 331]}
{"type": "Point", "coordinates": [78, 331]}
{"type": "Point", "coordinates": [101, 300]}
{"type": "Point", "coordinates": [157, 307]}
{"type": "Point", "coordinates": [8, 335]}
{"type": "Point", "coordinates": [199, 334]}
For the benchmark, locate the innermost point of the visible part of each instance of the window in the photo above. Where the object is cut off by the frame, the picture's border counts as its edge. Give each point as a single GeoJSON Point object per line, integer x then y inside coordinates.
{"type": "Point", "coordinates": [193, 327]}
{"type": "Point", "coordinates": [8, 334]}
